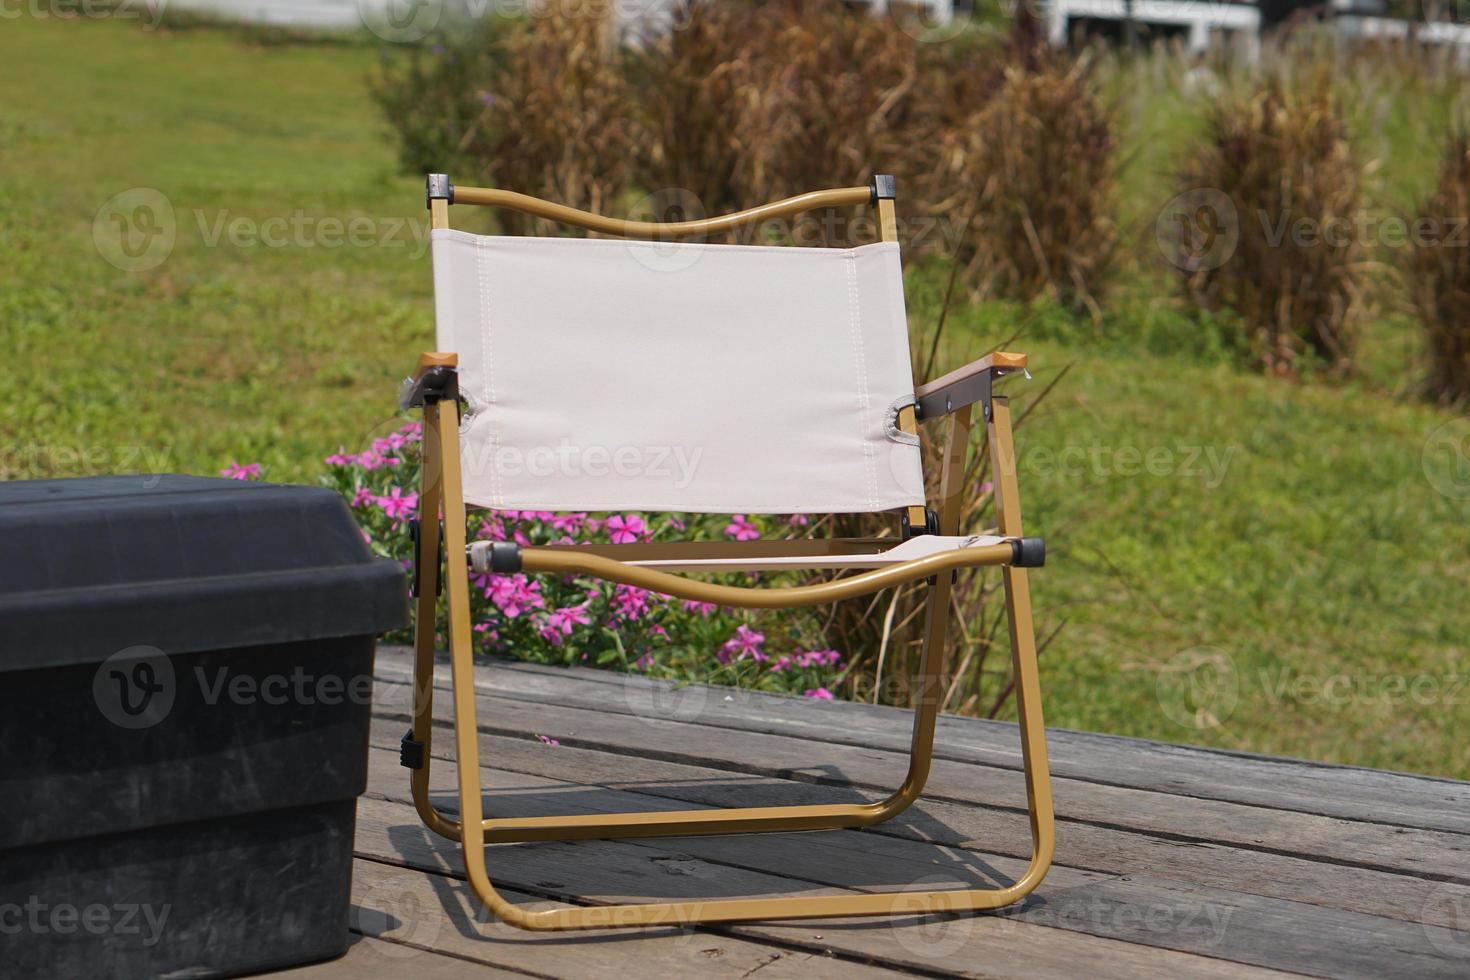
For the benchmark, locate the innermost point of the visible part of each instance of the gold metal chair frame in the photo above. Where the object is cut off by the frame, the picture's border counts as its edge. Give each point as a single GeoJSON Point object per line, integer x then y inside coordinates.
{"type": "Point", "coordinates": [951, 397]}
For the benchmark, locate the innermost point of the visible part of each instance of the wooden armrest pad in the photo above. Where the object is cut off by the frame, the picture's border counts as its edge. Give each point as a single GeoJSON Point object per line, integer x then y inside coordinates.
{"type": "Point", "coordinates": [999, 360]}
{"type": "Point", "coordinates": [432, 359]}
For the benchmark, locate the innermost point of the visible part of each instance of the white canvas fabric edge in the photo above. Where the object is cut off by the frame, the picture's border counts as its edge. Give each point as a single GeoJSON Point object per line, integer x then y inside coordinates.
{"type": "Point", "coordinates": [604, 374]}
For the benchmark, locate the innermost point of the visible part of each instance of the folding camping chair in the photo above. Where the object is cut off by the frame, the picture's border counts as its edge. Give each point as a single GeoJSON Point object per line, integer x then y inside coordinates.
{"type": "Point", "coordinates": [786, 371]}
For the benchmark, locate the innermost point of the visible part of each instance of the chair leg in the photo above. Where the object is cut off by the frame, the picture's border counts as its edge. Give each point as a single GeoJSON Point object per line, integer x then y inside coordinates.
{"type": "Point", "coordinates": [739, 820]}
{"type": "Point", "coordinates": [425, 623]}
{"type": "Point", "coordinates": [440, 482]}
{"type": "Point", "coordinates": [476, 832]}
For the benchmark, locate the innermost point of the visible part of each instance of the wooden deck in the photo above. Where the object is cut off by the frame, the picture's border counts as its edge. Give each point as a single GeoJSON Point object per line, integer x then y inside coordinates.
{"type": "Point", "coordinates": [1171, 861]}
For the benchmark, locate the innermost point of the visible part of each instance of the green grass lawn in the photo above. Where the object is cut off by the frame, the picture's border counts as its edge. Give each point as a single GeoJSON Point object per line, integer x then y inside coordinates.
{"type": "Point", "coordinates": [1240, 562]}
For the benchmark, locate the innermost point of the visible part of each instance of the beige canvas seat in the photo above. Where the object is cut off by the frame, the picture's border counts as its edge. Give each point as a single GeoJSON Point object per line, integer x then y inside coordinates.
{"type": "Point", "coordinates": [635, 372]}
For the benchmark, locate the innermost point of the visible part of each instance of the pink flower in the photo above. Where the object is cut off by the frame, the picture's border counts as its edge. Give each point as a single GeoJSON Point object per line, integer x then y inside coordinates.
{"type": "Point", "coordinates": [249, 471]}
{"type": "Point", "coordinates": [567, 618]}
{"type": "Point", "coordinates": [987, 486]}
{"type": "Point", "coordinates": [798, 520]}
{"type": "Point", "coordinates": [397, 504]}
{"type": "Point", "coordinates": [745, 643]}
{"type": "Point", "coordinates": [625, 529]}
{"type": "Point", "coordinates": [818, 658]}
{"type": "Point", "coordinates": [514, 594]}
{"type": "Point", "coordinates": [571, 523]}
{"type": "Point", "coordinates": [371, 461]}
{"type": "Point", "coordinates": [547, 740]}
{"type": "Point", "coordinates": [703, 608]}
{"type": "Point", "coordinates": [741, 529]}
{"type": "Point", "coordinates": [644, 662]}
{"type": "Point", "coordinates": [339, 458]}
{"type": "Point", "coordinates": [362, 496]}
{"type": "Point", "coordinates": [629, 601]}
{"type": "Point", "coordinates": [820, 694]}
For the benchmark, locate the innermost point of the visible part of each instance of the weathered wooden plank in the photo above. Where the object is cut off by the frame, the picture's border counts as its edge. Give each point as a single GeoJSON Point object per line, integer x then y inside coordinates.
{"type": "Point", "coordinates": [1425, 853]}
{"type": "Point", "coordinates": [437, 911]}
{"type": "Point", "coordinates": [1173, 915]}
{"type": "Point", "coordinates": [374, 959]}
{"type": "Point", "coordinates": [566, 780]}
{"type": "Point", "coordinates": [1342, 791]}
{"type": "Point", "coordinates": [989, 946]}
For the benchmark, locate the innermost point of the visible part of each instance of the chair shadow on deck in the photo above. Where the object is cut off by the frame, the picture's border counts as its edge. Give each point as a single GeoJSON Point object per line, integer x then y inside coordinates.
{"type": "Point", "coordinates": [895, 855]}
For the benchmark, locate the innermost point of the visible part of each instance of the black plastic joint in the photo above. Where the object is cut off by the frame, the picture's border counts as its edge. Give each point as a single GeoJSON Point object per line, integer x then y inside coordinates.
{"type": "Point", "coordinates": [884, 188]}
{"type": "Point", "coordinates": [505, 557]}
{"type": "Point", "coordinates": [1028, 552]}
{"type": "Point", "coordinates": [931, 524]}
{"type": "Point", "coordinates": [438, 383]}
{"type": "Point", "coordinates": [438, 188]}
{"type": "Point", "coordinates": [410, 752]}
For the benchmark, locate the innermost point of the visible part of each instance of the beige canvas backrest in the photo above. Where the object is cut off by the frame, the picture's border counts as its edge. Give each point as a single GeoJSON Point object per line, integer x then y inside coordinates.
{"type": "Point", "coordinates": [604, 374]}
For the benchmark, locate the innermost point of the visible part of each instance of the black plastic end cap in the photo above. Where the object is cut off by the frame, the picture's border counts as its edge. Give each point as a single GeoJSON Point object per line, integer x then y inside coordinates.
{"type": "Point", "coordinates": [505, 558]}
{"type": "Point", "coordinates": [437, 187]}
{"type": "Point", "coordinates": [884, 187]}
{"type": "Point", "coordinates": [1028, 552]}
{"type": "Point", "coordinates": [410, 752]}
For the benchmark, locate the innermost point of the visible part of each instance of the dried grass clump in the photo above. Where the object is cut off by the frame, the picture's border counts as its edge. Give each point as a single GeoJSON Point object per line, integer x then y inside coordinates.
{"type": "Point", "coordinates": [1034, 171]}
{"type": "Point", "coordinates": [750, 102]}
{"type": "Point", "coordinates": [1283, 158]}
{"type": "Point", "coordinates": [1439, 275]}
{"type": "Point", "coordinates": [561, 124]}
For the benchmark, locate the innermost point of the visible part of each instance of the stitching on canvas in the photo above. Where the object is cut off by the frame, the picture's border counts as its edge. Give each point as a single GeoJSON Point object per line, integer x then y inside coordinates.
{"type": "Point", "coordinates": [856, 327]}
{"type": "Point", "coordinates": [482, 270]}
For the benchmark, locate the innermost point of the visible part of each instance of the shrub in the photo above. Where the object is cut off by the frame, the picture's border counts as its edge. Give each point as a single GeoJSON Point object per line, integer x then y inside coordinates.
{"type": "Point", "coordinates": [1283, 159]}
{"type": "Point", "coordinates": [434, 96]}
{"type": "Point", "coordinates": [561, 122]}
{"type": "Point", "coordinates": [750, 102]}
{"type": "Point", "coordinates": [1439, 275]}
{"type": "Point", "coordinates": [541, 104]}
{"type": "Point", "coordinates": [580, 620]}
{"type": "Point", "coordinates": [1038, 163]}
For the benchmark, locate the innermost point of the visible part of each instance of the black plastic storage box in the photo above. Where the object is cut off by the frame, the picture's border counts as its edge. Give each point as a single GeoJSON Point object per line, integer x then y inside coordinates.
{"type": "Point", "coordinates": [185, 698]}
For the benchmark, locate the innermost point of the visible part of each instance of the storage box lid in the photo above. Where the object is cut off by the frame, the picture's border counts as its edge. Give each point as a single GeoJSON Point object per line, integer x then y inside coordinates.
{"type": "Point", "coordinates": [89, 567]}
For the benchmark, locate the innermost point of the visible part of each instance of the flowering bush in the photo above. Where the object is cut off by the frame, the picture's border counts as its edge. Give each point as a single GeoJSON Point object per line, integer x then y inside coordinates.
{"type": "Point", "coordinates": [581, 620]}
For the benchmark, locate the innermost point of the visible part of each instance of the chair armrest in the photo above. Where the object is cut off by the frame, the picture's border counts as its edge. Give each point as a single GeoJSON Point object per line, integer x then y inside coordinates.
{"type": "Point", "coordinates": [509, 558]}
{"type": "Point", "coordinates": [966, 385]}
{"type": "Point", "coordinates": [433, 379]}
